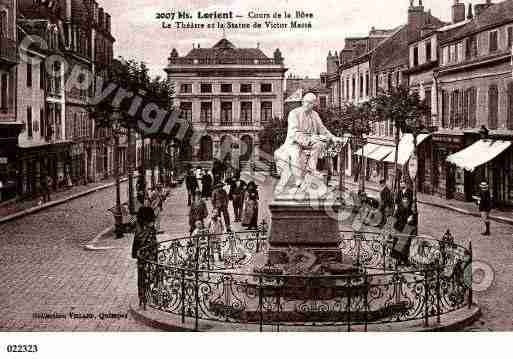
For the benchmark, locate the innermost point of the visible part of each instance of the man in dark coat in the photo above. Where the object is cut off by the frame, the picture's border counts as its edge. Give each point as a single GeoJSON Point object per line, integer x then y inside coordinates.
{"type": "Point", "coordinates": [236, 195]}
{"type": "Point", "coordinates": [217, 170]}
{"type": "Point", "coordinates": [386, 199]}
{"type": "Point", "coordinates": [485, 206]}
{"type": "Point", "coordinates": [220, 202]}
{"type": "Point", "coordinates": [192, 185]}
{"type": "Point", "coordinates": [206, 185]}
{"type": "Point", "coordinates": [404, 192]}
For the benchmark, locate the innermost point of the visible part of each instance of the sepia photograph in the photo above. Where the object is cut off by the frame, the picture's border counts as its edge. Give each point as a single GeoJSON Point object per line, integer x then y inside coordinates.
{"type": "Point", "coordinates": [244, 167]}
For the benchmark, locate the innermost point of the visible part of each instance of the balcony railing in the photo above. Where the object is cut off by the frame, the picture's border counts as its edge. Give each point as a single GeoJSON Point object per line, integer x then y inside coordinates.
{"type": "Point", "coordinates": [222, 61]}
{"type": "Point", "coordinates": [8, 51]}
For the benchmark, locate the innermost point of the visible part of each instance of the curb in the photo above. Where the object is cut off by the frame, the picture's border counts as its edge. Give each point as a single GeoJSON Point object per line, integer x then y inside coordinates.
{"type": "Point", "coordinates": [457, 320]}
{"type": "Point", "coordinates": [36, 209]}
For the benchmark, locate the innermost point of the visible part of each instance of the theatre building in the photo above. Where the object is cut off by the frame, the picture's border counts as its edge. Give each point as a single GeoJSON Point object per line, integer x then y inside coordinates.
{"type": "Point", "coordinates": [230, 93]}
{"type": "Point", "coordinates": [476, 107]}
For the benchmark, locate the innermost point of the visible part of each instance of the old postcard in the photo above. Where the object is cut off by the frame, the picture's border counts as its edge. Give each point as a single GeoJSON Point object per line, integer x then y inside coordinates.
{"type": "Point", "coordinates": [287, 166]}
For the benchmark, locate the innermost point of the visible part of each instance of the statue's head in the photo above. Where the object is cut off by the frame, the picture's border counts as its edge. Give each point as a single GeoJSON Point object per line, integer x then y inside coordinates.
{"type": "Point", "coordinates": [309, 101]}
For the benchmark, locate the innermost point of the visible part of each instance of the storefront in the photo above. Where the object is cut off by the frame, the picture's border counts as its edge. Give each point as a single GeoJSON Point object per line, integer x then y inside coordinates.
{"type": "Point", "coordinates": [38, 161]}
{"type": "Point", "coordinates": [8, 152]}
{"type": "Point", "coordinates": [404, 152]}
{"type": "Point", "coordinates": [446, 180]}
{"type": "Point", "coordinates": [485, 159]}
{"type": "Point", "coordinates": [374, 154]}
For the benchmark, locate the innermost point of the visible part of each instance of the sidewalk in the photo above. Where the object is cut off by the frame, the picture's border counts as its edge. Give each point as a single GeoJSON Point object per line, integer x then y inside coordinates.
{"type": "Point", "coordinates": [17, 209]}
{"type": "Point", "coordinates": [467, 208]}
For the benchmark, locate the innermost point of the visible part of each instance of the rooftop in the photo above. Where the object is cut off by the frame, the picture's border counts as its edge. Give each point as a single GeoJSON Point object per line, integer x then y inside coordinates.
{"type": "Point", "coordinates": [493, 16]}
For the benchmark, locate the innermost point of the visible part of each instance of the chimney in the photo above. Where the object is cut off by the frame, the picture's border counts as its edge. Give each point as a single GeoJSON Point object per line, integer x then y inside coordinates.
{"type": "Point", "coordinates": [458, 12]}
{"type": "Point", "coordinates": [417, 18]}
{"type": "Point", "coordinates": [479, 8]}
{"type": "Point", "coordinates": [470, 15]}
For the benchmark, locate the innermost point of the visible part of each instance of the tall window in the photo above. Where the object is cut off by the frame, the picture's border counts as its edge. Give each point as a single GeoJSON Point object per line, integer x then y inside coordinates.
{"type": "Point", "coordinates": [428, 51]}
{"type": "Point", "coordinates": [471, 48]}
{"type": "Point", "coordinates": [493, 106]}
{"type": "Point", "coordinates": [42, 123]}
{"type": "Point", "coordinates": [3, 23]}
{"type": "Point", "coordinates": [415, 56]}
{"type": "Point", "coordinates": [29, 121]}
{"type": "Point", "coordinates": [494, 41]}
{"type": "Point", "coordinates": [266, 111]}
{"type": "Point", "coordinates": [186, 88]}
{"type": "Point", "coordinates": [472, 103]}
{"type": "Point", "coordinates": [465, 111]}
{"type": "Point", "coordinates": [186, 110]}
{"type": "Point", "coordinates": [367, 85]}
{"type": "Point", "coordinates": [322, 101]}
{"type": "Point", "coordinates": [226, 113]}
{"type": "Point", "coordinates": [245, 88]}
{"type": "Point", "coordinates": [455, 103]}
{"type": "Point", "coordinates": [445, 109]}
{"type": "Point", "coordinates": [427, 96]}
{"type": "Point", "coordinates": [42, 72]}
{"type": "Point", "coordinates": [510, 37]}
{"type": "Point", "coordinates": [206, 88]}
{"type": "Point", "coordinates": [226, 88]}
{"type": "Point", "coordinates": [509, 120]}
{"type": "Point", "coordinates": [389, 84]}
{"type": "Point", "coordinates": [353, 88]}
{"type": "Point", "coordinates": [29, 73]}
{"type": "Point", "coordinates": [266, 88]}
{"type": "Point", "coordinates": [206, 112]}
{"type": "Point", "coordinates": [4, 80]}
{"type": "Point", "coordinates": [246, 112]}
{"type": "Point", "coordinates": [347, 88]}
{"type": "Point", "coordinates": [376, 85]}
{"type": "Point", "coordinates": [360, 86]}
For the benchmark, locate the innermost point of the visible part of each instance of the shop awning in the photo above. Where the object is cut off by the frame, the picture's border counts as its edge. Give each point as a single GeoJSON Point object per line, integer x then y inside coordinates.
{"type": "Point", "coordinates": [367, 149]}
{"type": "Point", "coordinates": [478, 154]}
{"type": "Point", "coordinates": [380, 153]}
{"type": "Point", "coordinates": [405, 148]}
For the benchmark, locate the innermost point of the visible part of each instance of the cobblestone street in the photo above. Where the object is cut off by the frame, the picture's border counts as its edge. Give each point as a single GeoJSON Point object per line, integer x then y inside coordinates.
{"type": "Point", "coordinates": [45, 268]}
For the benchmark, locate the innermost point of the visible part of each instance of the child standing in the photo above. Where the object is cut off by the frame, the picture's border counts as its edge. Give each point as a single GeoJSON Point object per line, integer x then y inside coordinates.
{"type": "Point", "coordinates": [216, 229]}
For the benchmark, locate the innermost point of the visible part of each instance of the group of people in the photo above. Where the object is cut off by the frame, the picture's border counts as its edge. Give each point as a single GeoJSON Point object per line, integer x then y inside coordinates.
{"type": "Point", "coordinates": [405, 220]}
{"type": "Point", "coordinates": [244, 198]}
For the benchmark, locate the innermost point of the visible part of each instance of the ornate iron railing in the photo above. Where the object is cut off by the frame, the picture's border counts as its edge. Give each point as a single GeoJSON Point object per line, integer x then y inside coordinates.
{"type": "Point", "coordinates": [212, 278]}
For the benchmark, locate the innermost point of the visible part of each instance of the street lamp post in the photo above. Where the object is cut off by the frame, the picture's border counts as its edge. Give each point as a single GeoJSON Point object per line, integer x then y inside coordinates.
{"type": "Point", "coordinates": [118, 216]}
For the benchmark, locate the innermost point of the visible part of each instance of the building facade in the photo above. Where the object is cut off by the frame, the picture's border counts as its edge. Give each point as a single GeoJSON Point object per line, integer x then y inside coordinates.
{"type": "Point", "coordinates": [229, 93]}
{"type": "Point", "coordinates": [10, 126]}
{"type": "Point", "coordinates": [476, 90]}
{"type": "Point", "coordinates": [54, 85]}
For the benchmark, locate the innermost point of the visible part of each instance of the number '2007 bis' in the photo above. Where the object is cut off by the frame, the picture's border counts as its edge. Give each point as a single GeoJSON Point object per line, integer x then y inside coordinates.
{"type": "Point", "coordinates": [18, 348]}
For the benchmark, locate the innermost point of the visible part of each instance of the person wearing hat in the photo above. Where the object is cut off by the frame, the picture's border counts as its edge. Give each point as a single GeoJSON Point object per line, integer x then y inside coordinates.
{"type": "Point", "coordinates": [250, 213]}
{"type": "Point", "coordinates": [236, 195]}
{"type": "Point", "coordinates": [485, 206]}
{"type": "Point", "coordinates": [220, 203]}
{"type": "Point", "coordinates": [198, 211]}
{"type": "Point", "coordinates": [145, 235]}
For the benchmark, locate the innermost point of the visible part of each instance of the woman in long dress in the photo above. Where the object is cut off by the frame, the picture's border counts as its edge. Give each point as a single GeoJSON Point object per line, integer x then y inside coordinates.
{"type": "Point", "coordinates": [250, 213]}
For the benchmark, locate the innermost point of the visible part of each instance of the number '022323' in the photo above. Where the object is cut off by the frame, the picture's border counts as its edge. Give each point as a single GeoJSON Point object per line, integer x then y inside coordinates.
{"type": "Point", "coordinates": [22, 348]}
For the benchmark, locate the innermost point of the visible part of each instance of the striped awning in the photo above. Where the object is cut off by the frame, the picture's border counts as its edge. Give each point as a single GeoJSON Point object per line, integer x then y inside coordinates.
{"type": "Point", "coordinates": [478, 154]}
{"type": "Point", "coordinates": [405, 148]}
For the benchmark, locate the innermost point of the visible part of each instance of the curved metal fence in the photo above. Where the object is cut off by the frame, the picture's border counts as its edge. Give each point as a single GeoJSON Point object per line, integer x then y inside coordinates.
{"type": "Point", "coordinates": [214, 278]}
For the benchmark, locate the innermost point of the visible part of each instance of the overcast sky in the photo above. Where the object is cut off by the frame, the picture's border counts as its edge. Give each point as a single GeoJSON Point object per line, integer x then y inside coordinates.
{"type": "Point", "coordinates": [139, 34]}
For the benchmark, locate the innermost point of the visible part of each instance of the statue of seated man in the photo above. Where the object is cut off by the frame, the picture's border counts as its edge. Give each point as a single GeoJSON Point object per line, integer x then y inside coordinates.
{"type": "Point", "coordinates": [307, 138]}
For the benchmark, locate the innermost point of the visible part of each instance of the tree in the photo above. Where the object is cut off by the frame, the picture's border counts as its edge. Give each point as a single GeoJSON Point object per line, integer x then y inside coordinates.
{"type": "Point", "coordinates": [407, 111]}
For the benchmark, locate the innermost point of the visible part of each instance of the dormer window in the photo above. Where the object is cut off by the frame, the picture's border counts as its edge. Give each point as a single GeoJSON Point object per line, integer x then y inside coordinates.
{"type": "Point", "coordinates": [494, 43]}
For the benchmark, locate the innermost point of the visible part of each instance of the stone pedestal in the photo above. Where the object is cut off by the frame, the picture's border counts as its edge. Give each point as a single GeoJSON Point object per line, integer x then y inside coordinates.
{"type": "Point", "coordinates": [310, 225]}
